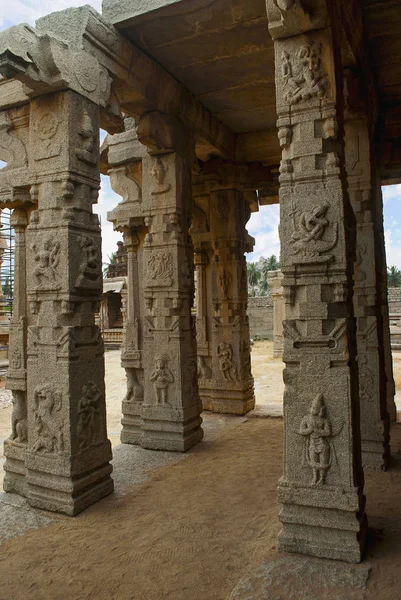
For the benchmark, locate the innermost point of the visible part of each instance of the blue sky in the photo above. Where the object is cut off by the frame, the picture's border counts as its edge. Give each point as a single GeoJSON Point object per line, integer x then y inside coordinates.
{"type": "Point", "coordinates": [263, 225]}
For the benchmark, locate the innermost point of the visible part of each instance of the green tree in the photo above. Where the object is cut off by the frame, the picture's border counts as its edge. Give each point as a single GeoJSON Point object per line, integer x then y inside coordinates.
{"type": "Point", "coordinates": [253, 277]}
{"type": "Point", "coordinates": [112, 261]}
{"type": "Point", "coordinates": [270, 264]}
{"type": "Point", "coordinates": [393, 277]}
{"type": "Point", "coordinates": [7, 287]}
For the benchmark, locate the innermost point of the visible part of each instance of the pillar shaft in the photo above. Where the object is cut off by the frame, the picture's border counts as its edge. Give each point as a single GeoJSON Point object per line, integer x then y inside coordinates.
{"type": "Point", "coordinates": [221, 239]}
{"type": "Point", "coordinates": [276, 290]}
{"type": "Point", "coordinates": [367, 297]}
{"type": "Point", "coordinates": [68, 453]}
{"type": "Point", "coordinates": [321, 489]}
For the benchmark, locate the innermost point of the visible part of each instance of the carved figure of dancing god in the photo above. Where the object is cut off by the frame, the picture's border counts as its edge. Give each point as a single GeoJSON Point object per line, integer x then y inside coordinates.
{"type": "Point", "coordinates": [88, 412]}
{"type": "Point", "coordinates": [307, 238]}
{"type": "Point", "coordinates": [303, 74]}
{"type": "Point", "coordinates": [160, 267]}
{"type": "Point", "coordinates": [318, 431]}
{"type": "Point", "coordinates": [226, 365]}
{"type": "Point", "coordinates": [47, 261]}
{"type": "Point", "coordinates": [48, 423]}
{"type": "Point", "coordinates": [161, 378]}
{"type": "Point", "coordinates": [19, 431]}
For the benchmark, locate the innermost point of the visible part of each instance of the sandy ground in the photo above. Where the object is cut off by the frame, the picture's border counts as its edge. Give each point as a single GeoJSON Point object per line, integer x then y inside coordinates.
{"type": "Point", "coordinates": [193, 527]}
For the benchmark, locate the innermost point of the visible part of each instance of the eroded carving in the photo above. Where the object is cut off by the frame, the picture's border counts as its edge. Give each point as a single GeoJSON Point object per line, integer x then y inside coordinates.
{"type": "Point", "coordinates": [88, 137]}
{"type": "Point", "coordinates": [12, 149]}
{"type": "Point", "coordinates": [303, 74]}
{"type": "Point", "coordinates": [88, 415]}
{"type": "Point", "coordinates": [19, 429]}
{"type": "Point", "coordinates": [226, 365]}
{"type": "Point", "coordinates": [47, 259]}
{"type": "Point", "coordinates": [134, 388]}
{"type": "Point", "coordinates": [160, 268]}
{"type": "Point", "coordinates": [48, 421]}
{"type": "Point", "coordinates": [90, 262]}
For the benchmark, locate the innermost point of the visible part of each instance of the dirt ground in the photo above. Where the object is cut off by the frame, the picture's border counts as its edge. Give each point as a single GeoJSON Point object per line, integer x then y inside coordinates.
{"type": "Point", "coordinates": [196, 526]}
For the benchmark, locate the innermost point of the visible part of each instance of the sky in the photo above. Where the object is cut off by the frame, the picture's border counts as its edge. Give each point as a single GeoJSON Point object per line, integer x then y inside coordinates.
{"type": "Point", "coordinates": [263, 226]}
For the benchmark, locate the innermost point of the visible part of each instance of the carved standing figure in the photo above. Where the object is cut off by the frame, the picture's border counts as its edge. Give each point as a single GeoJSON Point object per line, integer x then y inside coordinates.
{"type": "Point", "coordinates": [19, 432]}
{"type": "Point", "coordinates": [317, 430]}
{"type": "Point", "coordinates": [227, 367]}
{"type": "Point", "coordinates": [88, 411]}
{"type": "Point", "coordinates": [161, 378]}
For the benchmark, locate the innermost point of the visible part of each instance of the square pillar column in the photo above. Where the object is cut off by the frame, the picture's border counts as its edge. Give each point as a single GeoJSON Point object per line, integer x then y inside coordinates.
{"type": "Point", "coordinates": [68, 453]}
{"type": "Point", "coordinates": [322, 487]}
{"type": "Point", "coordinates": [275, 280]}
{"type": "Point", "coordinates": [364, 195]}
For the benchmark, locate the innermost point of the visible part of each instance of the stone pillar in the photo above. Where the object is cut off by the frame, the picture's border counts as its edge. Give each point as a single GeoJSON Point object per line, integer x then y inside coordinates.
{"type": "Point", "coordinates": [367, 295]}
{"type": "Point", "coordinates": [68, 453]}
{"type": "Point", "coordinates": [15, 446]}
{"type": "Point", "coordinates": [322, 486]}
{"type": "Point", "coordinates": [171, 409]}
{"type": "Point", "coordinates": [203, 319]}
{"type": "Point", "coordinates": [275, 279]}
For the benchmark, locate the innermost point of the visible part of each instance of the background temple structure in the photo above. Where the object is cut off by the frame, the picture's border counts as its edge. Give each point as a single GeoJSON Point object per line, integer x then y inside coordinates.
{"type": "Point", "coordinates": [212, 110]}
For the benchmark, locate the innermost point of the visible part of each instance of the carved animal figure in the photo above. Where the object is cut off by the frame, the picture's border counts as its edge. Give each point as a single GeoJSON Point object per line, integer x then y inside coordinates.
{"type": "Point", "coordinates": [134, 388]}
{"type": "Point", "coordinates": [19, 432]}
{"type": "Point", "coordinates": [48, 424]}
{"type": "Point", "coordinates": [307, 237]}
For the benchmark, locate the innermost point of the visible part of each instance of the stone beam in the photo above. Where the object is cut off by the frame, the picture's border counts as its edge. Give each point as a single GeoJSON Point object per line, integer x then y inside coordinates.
{"type": "Point", "coordinates": [140, 84]}
{"type": "Point", "coordinates": [11, 94]}
{"type": "Point", "coordinates": [260, 146]}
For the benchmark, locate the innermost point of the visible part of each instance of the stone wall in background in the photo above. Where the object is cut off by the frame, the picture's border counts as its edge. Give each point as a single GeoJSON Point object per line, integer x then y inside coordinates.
{"type": "Point", "coordinates": [394, 300]}
{"type": "Point", "coordinates": [260, 312]}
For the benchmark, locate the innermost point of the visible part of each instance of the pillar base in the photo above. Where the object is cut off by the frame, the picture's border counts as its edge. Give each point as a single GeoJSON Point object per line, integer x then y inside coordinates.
{"type": "Point", "coordinates": [169, 429]}
{"type": "Point", "coordinates": [375, 456]}
{"type": "Point", "coordinates": [236, 400]}
{"type": "Point", "coordinates": [131, 432]}
{"type": "Point", "coordinates": [69, 484]}
{"type": "Point", "coordinates": [325, 522]}
{"type": "Point", "coordinates": [15, 472]}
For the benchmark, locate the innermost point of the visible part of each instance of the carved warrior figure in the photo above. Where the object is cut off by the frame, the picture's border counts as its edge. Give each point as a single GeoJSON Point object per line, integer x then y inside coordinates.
{"type": "Point", "coordinates": [318, 430]}
{"type": "Point", "coordinates": [48, 423]}
{"type": "Point", "coordinates": [19, 431]}
{"type": "Point", "coordinates": [48, 260]}
{"type": "Point", "coordinates": [90, 265]}
{"type": "Point", "coordinates": [88, 411]}
{"type": "Point", "coordinates": [303, 74]}
{"type": "Point", "coordinates": [161, 378]}
{"type": "Point", "coordinates": [308, 235]}
{"type": "Point", "coordinates": [226, 365]}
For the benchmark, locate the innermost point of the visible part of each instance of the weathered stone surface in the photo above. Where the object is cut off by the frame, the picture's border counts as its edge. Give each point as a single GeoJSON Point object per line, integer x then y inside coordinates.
{"type": "Point", "coordinates": [322, 486]}
{"type": "Point", "coordinates": [298, 578]}
{"type": "Point", "coordinates": [275, 279]}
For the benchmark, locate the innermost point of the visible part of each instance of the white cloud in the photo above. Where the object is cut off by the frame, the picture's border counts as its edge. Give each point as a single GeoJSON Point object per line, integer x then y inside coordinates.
{"type": "Point", "coordinates": [263, 226]}
{"type": "Point", "coordinates": [391, 192]}
{"type": "Point", "coordinates": [28, 11]}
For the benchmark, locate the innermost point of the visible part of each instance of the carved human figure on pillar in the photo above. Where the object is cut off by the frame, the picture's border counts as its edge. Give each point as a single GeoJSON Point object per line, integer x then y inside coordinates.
{"type": "Point", "coordinates": [161, 378]}
{"type": "Point", "coordinates": [47, 259]}
{"type": "Point", "coordinates": [48, 402]}
{"type": "Point", "coordinates": [316, 428]}
{"type": "Point", "coordinates": [227, 367]}
{"type": "Point", "coordinates": [88, 413]}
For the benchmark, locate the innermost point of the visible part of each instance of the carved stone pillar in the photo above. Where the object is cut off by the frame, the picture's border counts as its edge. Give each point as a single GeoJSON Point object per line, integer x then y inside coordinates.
{"type": "Point", "coordinates": [171, 409]}
{"type": "Point", "coordinates": [203, 317]}
{"type": "Point", "coordinates": [367, 297]}
{"type": "Point", "coordinates": [275, 280]}
{"type": "Point", "coordinates": [322, 486]}
{"type": "Point", "coordinates": [15, 446]}
{"type": "Point", "coordinates": [68, 451]}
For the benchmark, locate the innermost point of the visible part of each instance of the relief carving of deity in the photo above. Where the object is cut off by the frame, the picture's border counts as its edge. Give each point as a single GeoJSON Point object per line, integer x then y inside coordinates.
{"type": "Point", "coordinates": [161, 378]}
{"type": "Point", "coordinates": [47, 259]}
{"type": "Point", "coordinates": [48, 421]}
{"type": "Point", "coordinates": [160, 268]}
{"type": "Point", "coordinates": [310, 228]}
{"type": "Point", "coordinates": [226, 365]}
{"type": "Point", "coordinates": [90, 263]}
{"type": "Point", "coordinates": [318, 431]}
{"type": "Point", "coordinates": [88, 139]}
{"type": "Point", "coordinates": [88, 415]}
{"type": "Point", "coordinates": [303, 74]}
